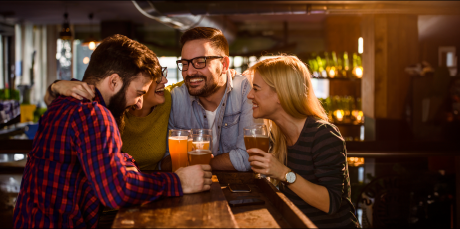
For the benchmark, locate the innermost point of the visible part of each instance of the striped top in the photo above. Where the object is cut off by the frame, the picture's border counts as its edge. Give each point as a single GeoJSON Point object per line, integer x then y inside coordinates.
{"type": "Point", "coordinates": [319, 156]}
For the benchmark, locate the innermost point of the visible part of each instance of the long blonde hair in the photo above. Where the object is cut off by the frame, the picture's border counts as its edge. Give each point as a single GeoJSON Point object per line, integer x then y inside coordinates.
{"type": "Point", "coordinates": [290, 79]}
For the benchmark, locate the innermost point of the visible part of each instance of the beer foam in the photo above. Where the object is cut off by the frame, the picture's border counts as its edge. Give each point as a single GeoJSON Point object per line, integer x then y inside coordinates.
{"type": "Point", "coordinates": [256, 136]}
{"type": "Point", "coordinates": [200, 152]}
{"type": "Point", "coordinates": [178, 138]}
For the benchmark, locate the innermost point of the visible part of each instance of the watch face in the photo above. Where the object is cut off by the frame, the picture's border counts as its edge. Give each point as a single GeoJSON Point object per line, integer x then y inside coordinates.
{"type": "Point", "coordinates": [290, 177]}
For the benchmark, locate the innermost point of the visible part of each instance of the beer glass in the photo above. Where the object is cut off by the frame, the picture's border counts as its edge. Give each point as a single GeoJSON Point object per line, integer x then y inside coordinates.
{"type": "Point", "coordinates": [256, 136]}
{"type": "Point", "coordinates": [200, 153]}
{"type": "Point", "coordinates": [197, 131]}
{"type": "Point", "coordinates": [178, 148]}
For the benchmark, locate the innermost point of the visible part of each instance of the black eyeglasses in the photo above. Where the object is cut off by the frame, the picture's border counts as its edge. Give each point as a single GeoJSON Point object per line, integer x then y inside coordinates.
{"type": "Point", "coordinates": [197, 62]}
{"type": "Point", "coordinates": [164, 72]}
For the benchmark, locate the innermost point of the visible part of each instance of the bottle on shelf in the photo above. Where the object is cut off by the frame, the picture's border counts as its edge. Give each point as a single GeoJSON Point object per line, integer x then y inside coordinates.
{"type": "Point", "coordinates": [346, 65]}
{"type": "Point", "coordinates": [334, 68]}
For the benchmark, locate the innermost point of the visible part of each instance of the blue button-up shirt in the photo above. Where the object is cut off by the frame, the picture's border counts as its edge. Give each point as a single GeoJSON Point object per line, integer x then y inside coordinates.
{"type": "Point", "coordinates": [233, 114]}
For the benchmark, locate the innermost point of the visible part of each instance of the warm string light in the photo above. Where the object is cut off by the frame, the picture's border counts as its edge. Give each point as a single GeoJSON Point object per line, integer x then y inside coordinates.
{"type": "Point", "coordinates": [355, 161]}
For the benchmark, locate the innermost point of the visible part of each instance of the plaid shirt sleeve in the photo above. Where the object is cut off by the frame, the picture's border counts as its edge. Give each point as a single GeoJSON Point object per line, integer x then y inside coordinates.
{"type": "Point", "coordinates": [98, 146]}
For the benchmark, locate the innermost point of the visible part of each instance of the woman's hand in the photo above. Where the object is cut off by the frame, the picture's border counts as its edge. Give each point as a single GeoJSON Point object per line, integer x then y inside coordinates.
{"type": "Point", "coordinates": [233, 73]}
{"type": "Point", "coordinates": [76, 89]}
{"type": "Point", "coordinates": [267, 164]}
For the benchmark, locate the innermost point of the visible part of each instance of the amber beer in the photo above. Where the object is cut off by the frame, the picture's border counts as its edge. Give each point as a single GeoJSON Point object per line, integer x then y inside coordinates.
{"type": "Point", "coordinates": [256, 136]}
{"type": "Point", "coordinates": [199, 157]}
{"type": "Point", "coordinates": [178, 140]}
{"type": "Point", "coordinates": [258, 141]}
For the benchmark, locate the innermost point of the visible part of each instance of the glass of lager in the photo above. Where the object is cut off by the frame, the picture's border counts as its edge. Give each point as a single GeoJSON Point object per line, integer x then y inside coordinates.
{"type": "Point", "coordinates": [201, 145]}
{"type": "Point", "coordinates": [178, 148]}
{"type": "Point", "coordinates": [256, 136]}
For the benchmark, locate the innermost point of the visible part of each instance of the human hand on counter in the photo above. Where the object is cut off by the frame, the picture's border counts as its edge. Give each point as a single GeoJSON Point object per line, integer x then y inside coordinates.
{"type": "Point", "coordinates": [195, 178]}
{"type": "Point", "coordinates": [267, 164]}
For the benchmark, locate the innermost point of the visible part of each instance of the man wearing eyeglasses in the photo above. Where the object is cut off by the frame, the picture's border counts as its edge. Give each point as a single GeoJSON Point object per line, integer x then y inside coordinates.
{"type": "Point", "coordinates": [211, 99]}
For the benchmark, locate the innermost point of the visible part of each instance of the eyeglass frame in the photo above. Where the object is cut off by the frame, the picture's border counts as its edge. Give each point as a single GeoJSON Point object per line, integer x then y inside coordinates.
{"type": "Point", "coordinates": [164, 73]}
{"type": "Point", "coordinates": [191, 61]}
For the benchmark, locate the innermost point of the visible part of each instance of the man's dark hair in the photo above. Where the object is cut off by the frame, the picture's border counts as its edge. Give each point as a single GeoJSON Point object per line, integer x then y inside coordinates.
{"type": "Point", "coordinates": [120, 55]}
{"type": "Point", "coordinates": [215, 36]}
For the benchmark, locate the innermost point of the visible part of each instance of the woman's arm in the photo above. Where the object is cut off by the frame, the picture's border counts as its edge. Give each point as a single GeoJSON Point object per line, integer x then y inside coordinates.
{"type": "Point", "coordinates": [76, 89]}
{"type": "Point", "coordinates": [313, 194]}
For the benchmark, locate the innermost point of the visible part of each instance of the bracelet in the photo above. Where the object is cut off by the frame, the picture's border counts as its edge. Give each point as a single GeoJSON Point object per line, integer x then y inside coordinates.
{"type": "Point", "coordinates": [50, 92]}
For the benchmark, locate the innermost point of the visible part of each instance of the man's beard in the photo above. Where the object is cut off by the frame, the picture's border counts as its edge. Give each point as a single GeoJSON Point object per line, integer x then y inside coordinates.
{"type": "Point", "coordinates": [208, 89]}
{"type": "Point", "coordinates": [117, 106]}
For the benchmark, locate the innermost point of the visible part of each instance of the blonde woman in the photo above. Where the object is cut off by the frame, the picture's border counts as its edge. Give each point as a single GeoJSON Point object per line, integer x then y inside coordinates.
{"type": "Point", "coordinates": [308, 159]}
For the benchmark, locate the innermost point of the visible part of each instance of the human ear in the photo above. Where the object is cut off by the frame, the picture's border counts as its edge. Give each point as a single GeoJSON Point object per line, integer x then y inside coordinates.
{"type": "Point", "coordinates": [115, 83]}
{"type": "Point", "coordinates": [225, 63]}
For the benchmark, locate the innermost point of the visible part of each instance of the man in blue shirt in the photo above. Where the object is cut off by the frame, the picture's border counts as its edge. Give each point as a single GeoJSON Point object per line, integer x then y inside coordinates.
{"type": "Point", "coordinates": [211, 99]}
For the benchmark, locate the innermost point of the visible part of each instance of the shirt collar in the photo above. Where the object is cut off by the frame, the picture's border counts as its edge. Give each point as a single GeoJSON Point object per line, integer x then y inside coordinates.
{"type": "Point", "coordinates": [97, 98]}
{"type": "Point", "coordinates": [227, 90]}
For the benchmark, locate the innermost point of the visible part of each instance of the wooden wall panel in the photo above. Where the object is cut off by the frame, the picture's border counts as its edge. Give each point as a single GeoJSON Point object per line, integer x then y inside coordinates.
{"type": "Point", "coordinates": [381, 65]}
{"type": "Point", "coordinates": [342, 33]}
{"type": "Point", "coordinates": [368, 80]}
{"type": "Point", "coordinates": [392, 40]}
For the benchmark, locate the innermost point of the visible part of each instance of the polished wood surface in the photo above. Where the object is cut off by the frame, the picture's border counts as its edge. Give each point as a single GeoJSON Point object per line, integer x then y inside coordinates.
{"type": "Point", "coordinates": [277, 212]}
{"type": "Point", "coordinates": [207, 209]}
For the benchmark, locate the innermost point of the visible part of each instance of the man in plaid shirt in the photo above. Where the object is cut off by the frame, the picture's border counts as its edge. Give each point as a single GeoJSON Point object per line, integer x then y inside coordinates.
{"type": "Point", "coordinates": [76, 162]}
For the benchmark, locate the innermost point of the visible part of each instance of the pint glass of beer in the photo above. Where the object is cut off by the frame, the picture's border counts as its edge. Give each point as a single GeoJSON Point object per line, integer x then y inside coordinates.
{"type": "Point", "coordinates": [200, 152]}
{"type": "Point", "coordinates": [256, 136]}
{"type": "Point", "coordinates": [178, 148]}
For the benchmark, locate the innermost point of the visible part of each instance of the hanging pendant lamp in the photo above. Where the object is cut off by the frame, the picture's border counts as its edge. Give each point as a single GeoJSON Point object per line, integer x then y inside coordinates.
{"type": "Point", "coordinates": [90, 41]}
{"type": "Point", "coordinates": [65, 33]}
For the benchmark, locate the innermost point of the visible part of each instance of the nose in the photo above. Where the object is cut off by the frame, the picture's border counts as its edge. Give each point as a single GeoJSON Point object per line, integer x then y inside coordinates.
{"type": "Point", "coordinates": [164, 80]}
{"type": "Point", "coordinates": [190, 71]}
{"type": "Point", "coordinates": [250, 94]}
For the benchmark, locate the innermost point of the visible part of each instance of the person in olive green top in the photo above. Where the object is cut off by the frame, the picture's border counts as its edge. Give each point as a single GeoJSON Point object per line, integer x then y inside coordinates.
{"type": "Point", "coordinates": [145, 129]}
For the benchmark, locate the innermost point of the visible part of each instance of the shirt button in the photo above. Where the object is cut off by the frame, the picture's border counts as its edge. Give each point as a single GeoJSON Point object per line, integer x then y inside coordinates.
{"type": "Point", "coordinates": [218, 127]}
{"type": "Point", "coordinates": [225, 124]}
{"type": "Point", "coordinates": [205, 116]}
{"type": "Point", "coordinates": [223, 104]}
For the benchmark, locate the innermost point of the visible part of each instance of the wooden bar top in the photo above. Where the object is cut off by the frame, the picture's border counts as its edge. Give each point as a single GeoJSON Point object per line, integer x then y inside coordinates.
{"type": "Point", "coordinates": [206, 209]}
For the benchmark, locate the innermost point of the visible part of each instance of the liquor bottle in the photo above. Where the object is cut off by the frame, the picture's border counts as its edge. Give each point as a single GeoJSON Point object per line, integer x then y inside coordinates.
{"type": "Point", "coordinates": [355, 64]}
{"type": "Point", "coordinates": [346, 65]}
{"type": "Point", "coordinates": [321, 65]}
{"type": "Point", "coordinates": [330, 72]}
{"type": "Point", "coordinates": [334, 68]}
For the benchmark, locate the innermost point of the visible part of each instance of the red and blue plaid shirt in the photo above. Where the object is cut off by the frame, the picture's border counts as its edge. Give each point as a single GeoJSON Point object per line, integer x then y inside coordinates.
{"type": "Point", "coordinates": [76, 163]}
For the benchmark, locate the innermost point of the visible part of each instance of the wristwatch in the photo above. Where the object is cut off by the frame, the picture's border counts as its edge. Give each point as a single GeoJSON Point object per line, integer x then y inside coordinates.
{"type": "Point", "coordinates": [290, 177]}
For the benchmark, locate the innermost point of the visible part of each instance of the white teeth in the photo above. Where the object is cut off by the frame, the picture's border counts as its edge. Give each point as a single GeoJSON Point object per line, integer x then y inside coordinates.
{"type": "Point", "coordinates": [196, 80]}
{"type": "Point", "coordinates": [255, 105]}
{"type": "Point", "coordinates": [160, 90]}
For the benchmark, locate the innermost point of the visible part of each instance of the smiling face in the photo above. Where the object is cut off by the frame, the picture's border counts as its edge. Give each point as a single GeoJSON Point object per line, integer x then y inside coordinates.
{"type": "Point", "coordinates": [156, 94]}
{"type": "Point", "coordinates": [264, 99]}
{"type": "Point", "coordinates": [203, 82]}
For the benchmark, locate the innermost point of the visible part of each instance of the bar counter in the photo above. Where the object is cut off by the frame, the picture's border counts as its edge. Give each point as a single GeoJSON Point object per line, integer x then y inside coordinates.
{"type": "Point", "coordinates": [211, 209]}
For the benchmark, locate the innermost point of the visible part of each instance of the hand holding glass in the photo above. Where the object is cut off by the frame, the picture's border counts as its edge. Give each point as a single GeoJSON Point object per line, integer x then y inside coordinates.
{"type": "Point", "coordinates": [256, 136]}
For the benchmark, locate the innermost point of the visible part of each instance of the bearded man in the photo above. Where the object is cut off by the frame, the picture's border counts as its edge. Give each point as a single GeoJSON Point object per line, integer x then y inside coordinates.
{"type": "Point", "coordinates": [76, 162]}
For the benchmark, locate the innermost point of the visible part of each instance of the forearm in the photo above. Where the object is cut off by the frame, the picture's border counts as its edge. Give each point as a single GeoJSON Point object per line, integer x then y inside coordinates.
{"type": "Point", "coordinates": [49, 95]}
{"type": "Point", "coordinates": [222, 162]}
{"type": "Point", "coordinates": [315, 195]}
